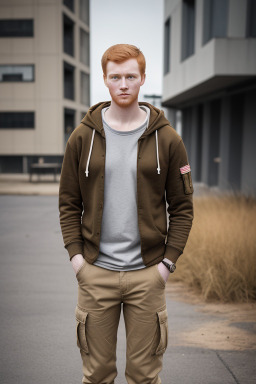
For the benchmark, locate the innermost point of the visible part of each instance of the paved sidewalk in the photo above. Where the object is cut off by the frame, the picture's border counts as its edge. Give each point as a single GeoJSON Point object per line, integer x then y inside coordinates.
{"type": "Point", "coordinates": [19, 184]}
{"type": "Point", "coordinates": [38, 297]}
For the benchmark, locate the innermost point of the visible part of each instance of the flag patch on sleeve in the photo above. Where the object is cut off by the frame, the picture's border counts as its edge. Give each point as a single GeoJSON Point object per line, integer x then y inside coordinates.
{"type": "Point", "coordinates": [185, 169]}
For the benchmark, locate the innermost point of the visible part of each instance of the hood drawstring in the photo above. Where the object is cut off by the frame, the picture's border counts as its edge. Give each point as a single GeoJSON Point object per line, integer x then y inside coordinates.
{"type": "Point", "coordinates": [157, 155]}
{"type": "Point", "coordinates": [89, 156]}
{"type": "Point", "coordinates": [88, 160]}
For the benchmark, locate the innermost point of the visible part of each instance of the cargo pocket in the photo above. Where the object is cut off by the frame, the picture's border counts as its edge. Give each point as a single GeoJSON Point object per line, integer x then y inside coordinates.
{"type": "Point", "coordinates": [160, 341]}
{"type": "Point", "coordinates": [81, 318]}
{"type": "Point", "coordinates": [187, 182]}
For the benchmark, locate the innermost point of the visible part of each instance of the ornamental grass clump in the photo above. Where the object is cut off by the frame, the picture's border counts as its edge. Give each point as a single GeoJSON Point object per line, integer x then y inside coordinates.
{"type": "Point", "coordinates": [219, 260]}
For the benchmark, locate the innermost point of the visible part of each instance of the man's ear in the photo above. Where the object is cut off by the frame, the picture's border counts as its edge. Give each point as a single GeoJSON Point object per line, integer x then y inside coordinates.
{"type": "Point", "coordinates": [143, 78]}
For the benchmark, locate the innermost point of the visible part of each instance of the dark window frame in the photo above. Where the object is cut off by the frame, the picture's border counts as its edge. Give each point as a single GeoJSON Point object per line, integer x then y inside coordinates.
{"type": "Point", "coordinates": [86, 75]}
{"type": "Point", "coordinates": [68, 44]}
{"type": "Point", "coordinates": [83, 32]}
{"type": "Point", "coordinates": [28, 116]}
{"type": "Point", "coordinates": [81, 10]}
{"type": "Point", "coordinates": [211, 28]}
{"type": "Point", "coordinates": [70, 4]}
{"type": "Point", "coordinates": [188, 27]}
{"type": "Point", "coordinates": [19, 81]}
{"type": "Point", "coordinates": [167, 46]}
{"type": "Point", "coordinates": [69, 92]}
{"type": "Point", "coordinates": [8, 29]}
{"type": "Point", "coordinates": [250, 19]}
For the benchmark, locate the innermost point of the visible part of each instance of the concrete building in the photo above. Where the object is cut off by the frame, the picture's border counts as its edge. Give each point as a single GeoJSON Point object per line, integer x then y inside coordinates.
{"type": "Point", "coordinates": [44, 78]}
{"type": "Point", "coordinates": [210, 82]}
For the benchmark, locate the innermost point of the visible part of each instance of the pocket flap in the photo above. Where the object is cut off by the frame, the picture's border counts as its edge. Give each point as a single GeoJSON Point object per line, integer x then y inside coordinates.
{"type": "Point", "coordinates": [187, 182]}
{"type": "Point", "coordinates": [163, 325]}
{"type": "Point", "coordinates": [162, 315]}
{"type": "Point", "coordinates": [81, 315]}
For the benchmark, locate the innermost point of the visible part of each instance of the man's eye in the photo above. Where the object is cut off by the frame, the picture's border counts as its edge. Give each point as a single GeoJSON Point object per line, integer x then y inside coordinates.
{"type": "Point", "coordinates": [130, 76]}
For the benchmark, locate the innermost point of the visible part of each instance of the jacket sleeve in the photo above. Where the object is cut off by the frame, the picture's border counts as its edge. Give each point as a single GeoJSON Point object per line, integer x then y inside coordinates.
{"type": "Point", "coordinates": [70, 203]}
{"type": "Point", "coordinates": [179, 190]}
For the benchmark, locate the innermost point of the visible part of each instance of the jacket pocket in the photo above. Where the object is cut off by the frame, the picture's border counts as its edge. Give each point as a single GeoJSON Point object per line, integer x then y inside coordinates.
{"type": "Point", "coordinates": [160, 341]}
{"type": "Point", "coordinates": [187, 182]}
{"type": "Point", "coordinates": [81, 318]}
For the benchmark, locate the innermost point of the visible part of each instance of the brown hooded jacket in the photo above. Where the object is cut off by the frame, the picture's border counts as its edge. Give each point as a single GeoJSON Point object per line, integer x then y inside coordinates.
{"type": "Point", "coordinates": [161, 160]}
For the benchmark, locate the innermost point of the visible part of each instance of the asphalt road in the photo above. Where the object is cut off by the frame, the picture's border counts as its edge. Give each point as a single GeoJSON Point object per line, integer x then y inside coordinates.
{"type": "Point", "coordinates": [38, 297]}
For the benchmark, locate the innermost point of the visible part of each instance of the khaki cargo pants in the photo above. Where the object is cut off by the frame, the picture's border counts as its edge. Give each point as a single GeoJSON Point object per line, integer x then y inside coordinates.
{"type": "Point", "coordinates": [100, 294]}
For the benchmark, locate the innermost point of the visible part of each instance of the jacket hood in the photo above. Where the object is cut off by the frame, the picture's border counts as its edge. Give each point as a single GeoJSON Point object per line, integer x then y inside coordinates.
{"type": "Point", "coordinates": [93, 119]}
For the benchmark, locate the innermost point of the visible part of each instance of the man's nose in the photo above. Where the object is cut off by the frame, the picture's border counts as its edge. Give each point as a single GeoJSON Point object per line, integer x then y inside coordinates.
{"type": "Point", "coordinates": [123, 83]}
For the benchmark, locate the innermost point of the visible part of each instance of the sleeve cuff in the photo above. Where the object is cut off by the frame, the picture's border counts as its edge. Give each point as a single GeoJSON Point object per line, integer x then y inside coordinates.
{"type": "Point", "coordinates": [172, 254]}
{"type": "Point", "coordinates": [74, 248]}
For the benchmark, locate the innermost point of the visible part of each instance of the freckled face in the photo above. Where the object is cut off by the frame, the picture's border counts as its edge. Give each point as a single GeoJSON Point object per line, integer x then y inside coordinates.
{"type": "Point", "coordinates": [124, 81]}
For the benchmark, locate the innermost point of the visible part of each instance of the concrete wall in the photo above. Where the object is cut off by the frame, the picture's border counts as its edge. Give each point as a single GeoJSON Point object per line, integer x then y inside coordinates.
{"type": "Point", "coordinates": [225, 57]}
{"type": "Point", "coordinates": [44, 96]}
{"type": "Point", "coordinates": [215, 88]}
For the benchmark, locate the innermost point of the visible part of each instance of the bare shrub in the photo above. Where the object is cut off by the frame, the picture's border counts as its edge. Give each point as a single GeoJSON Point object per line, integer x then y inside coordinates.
{"type": "Point", "coordinates": [220, 257]}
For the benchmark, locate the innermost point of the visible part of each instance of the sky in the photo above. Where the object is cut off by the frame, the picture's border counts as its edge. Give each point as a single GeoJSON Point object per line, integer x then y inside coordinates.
{"type": "Point", "coordinates": [137, 22]}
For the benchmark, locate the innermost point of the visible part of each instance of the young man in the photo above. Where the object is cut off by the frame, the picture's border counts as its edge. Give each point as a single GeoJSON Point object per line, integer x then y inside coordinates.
{"type": "Point", "coordinates": [121, 165]}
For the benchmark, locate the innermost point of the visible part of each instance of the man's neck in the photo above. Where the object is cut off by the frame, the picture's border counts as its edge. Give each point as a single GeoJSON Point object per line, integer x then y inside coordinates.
{"type": "Point", "coordinates": [125, 118]}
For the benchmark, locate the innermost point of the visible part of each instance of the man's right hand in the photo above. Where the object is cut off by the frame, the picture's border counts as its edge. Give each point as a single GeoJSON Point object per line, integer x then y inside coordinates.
{"type": "Point", "coordinates": [77, 262]}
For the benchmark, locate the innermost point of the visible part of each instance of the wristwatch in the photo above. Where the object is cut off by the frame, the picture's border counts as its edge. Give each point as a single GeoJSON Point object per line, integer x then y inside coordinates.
{"type": "Point", "coordinates": [171, 266]}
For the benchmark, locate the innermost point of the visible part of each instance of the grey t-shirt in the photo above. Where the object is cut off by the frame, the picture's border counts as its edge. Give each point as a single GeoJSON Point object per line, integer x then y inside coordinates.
{"type": "Point", "coordinates": [120, 247]}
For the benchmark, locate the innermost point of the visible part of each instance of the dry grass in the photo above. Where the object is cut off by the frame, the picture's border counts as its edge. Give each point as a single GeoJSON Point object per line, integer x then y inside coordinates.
{"type": "Point", "coordinates": [219, 260]}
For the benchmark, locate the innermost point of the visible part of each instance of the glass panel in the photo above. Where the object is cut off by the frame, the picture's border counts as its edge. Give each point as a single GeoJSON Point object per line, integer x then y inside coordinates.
{"type": "Point", "coordinates": [251, 18]}
{"type": "Point", "coordinates": [68, 38]}
{"type": "Point", "coordinates": [69, 4]}
{"type": "Point", "coordinates": [17, 28]}
{"type": "Point", "coordinates": [85, 88]}
{"type": "Point", "coordinates": [69, 87]}
{"type": "Point", "coordinates": [69, 123]}
{"type": "Point", "coordinates": [16, 72]}
{"type": "Point", "coordinates": [167, 45]}
{"type": "Point", "coordinates": [12, 120]}
{"type": "Point", "coordinates": [85, 11]}
{"type": "Point", "coordinates": [84, 47]}
{"type": "Point", "coordinates": [188, 28]}
{"type": "Point", "coordinates": [215, 19]}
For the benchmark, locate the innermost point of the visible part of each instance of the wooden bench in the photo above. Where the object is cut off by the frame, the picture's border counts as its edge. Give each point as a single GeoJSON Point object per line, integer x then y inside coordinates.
{"type": "Point", "coordinates": [44, 168]}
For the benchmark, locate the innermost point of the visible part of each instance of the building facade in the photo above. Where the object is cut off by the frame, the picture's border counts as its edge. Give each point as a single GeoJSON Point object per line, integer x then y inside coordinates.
{"type": "Point", "coordinates": [44, 78]}
{"type": "Point", "coordinates": [210, 83]}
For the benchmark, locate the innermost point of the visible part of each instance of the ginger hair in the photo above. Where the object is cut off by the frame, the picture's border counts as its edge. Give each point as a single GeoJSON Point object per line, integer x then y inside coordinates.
{"type": "Point", "coordinates": [122, 52]}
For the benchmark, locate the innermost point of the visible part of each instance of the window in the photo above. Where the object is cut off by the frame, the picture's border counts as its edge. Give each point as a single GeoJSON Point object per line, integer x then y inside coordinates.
{"type": "Point", "coordinates": [167, 45]}
{"type": "Point", "coordinates": [251, 17]}
{"type": "Point", "coordinates": [69, 80]}
{"type": "Point", "coordinates": [215, 19]}
{"type": "Point", "coordinates": [84, 11]}
{"type": "Point", "coordinates": [68, 35]}
{"type": "Point", "coordinates": [84, 47]}
{"type": "Point", "coordinates": [17, 120]}
{"type": "Point", "coordinates": [11, 164]}
{"type": "Point", "coordinates": [188, 28]}
{"type": "Point", "coordinates": [16, 73]}
{"type": "Point", "coordinates": [83, 115]}
{"type": "Point", "coordinates": [69, 123]}
{"type": "Point", "coordinates": [85, 88]}
{"type": "Point", "coordinates": [17, 28]}
{"type": "Point", "coordinates": [69, 4]}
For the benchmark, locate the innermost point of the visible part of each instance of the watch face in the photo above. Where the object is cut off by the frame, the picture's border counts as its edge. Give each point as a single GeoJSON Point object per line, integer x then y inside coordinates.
{"type": "Point", "coordinates": [171, 267]}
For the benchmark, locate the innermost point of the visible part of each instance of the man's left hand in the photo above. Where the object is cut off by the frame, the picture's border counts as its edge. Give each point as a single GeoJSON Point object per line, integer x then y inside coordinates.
{"type": "Point", "coordinates": [163, 271]}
